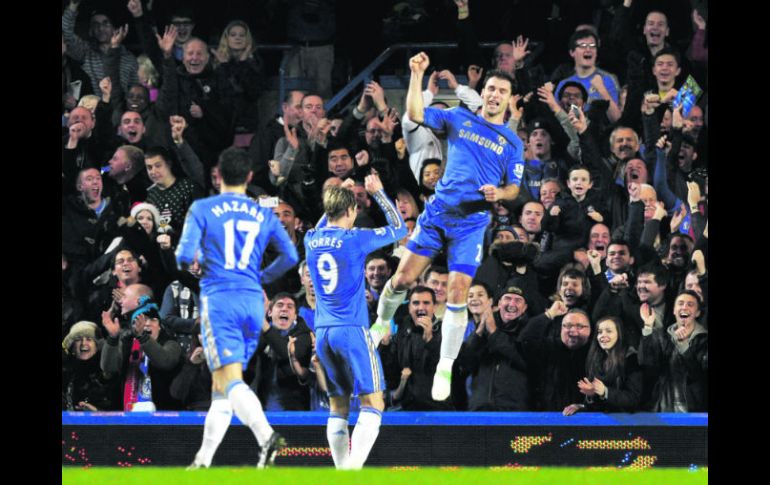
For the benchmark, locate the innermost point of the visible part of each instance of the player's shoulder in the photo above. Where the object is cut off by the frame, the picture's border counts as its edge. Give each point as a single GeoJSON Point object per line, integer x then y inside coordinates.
{"type": "Point", "coordinates": [234, 204]}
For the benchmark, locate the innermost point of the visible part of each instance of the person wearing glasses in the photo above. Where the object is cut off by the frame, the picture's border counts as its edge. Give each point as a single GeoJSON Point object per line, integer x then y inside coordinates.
{"type": "Point", "coordinates": [91, 53]}
{"type": "Point", "coordinates": [600, 84]}
{"type": "Point", "coordinates": [555, 363]}
{"type": "Point", "coordinates": [181, 18]}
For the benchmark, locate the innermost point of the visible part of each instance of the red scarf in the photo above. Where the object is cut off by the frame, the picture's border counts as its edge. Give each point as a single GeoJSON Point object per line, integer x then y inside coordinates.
{"type": "Point", "coordinates": [134, 376]}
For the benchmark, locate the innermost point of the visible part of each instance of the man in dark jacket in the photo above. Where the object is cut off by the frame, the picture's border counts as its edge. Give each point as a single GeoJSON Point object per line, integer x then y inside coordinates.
{"type": "Point", "coordinates": [556, 364]}
{"type": "Point", "coordinates": [276, 383]}
{"type": "Point", "coordinates": [621, 300]}
{"type": "Point", "coordinates": [198, 98]}
{"type": "Point", "coordinates": [493, 356]}
{"type": "Point", "coordinates": [145, 357]}
{"type": "Point", "coordinates": [418, 344]}
{"type": "Point", "coordinates": [679, 356]}
{"type": "Point", "coordinates": [89, 220]}
{"type": "Point", "coordinates": [263, 144]}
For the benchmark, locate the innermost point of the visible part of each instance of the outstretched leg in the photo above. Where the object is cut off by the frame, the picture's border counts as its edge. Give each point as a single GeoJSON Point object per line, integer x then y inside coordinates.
{"type": "Point", "coordinates": [409, 269]}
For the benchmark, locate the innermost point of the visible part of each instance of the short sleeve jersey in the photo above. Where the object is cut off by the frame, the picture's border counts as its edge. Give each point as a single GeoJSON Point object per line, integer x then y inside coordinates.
{"type": "Point", "coordinates": [230, 232]}
{"type": "Point", "coordinates": [479, 153]}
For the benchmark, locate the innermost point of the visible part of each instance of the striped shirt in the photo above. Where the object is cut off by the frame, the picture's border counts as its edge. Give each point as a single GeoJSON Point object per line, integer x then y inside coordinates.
{"type": "Point", "coordinates": [92, 59]}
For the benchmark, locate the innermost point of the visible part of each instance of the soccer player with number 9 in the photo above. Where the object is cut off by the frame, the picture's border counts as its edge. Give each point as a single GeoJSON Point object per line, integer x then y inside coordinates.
{"type": "Point", "coordinates": [336, 252]}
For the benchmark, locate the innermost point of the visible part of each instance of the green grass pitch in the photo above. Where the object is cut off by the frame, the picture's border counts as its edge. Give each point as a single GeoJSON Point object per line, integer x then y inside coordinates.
{"type": "Point", "coordinates": [375, 476]}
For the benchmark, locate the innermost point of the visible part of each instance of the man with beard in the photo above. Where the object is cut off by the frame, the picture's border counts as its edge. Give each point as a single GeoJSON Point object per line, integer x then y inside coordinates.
{"type": "Point", "coordinates": [679, 356]}
{"type": "Point", "coordinates": [531, 218]}
{"type": "Point", "coordinates": [492, 356]}
{"type": "Point", "coordinates": [620, 301]}
{"type": "Point", "coordinates": [677, 259]}
{"type": "Point", "coordinates": [556, 362]}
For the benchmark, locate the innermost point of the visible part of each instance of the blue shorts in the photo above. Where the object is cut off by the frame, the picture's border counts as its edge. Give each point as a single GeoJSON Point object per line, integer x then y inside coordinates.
{"type": "Point", "coordinates": [462, 235]}
{"type": "Point", "coordinates": [231, 322]}
{"type": "Point", "coordinates": [350, 360]}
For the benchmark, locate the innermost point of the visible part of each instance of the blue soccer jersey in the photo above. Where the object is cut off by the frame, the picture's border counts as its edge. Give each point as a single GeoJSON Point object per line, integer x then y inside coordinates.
{"type": "Point", "coordinates": [609, 79]}
{"type": "Point", "coordinates": [479, 153]}
{"type": "Point", "coordinates": [230, 232]}
{"type": "Point", "coordinates": [335, 258]}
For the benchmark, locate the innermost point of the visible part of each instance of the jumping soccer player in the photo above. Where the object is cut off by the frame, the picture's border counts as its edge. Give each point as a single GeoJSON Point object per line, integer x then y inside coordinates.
{"type": "Point", "coordinates": [483, 153]}
{"type": "Point", "coordinates": [228, 233]}
{"type": "Point", "coordinates": [336, 253]}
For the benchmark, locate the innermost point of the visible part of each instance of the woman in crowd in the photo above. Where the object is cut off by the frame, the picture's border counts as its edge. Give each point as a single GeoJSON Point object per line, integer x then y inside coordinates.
{"type": "Point", "coordinates": [614, 378]}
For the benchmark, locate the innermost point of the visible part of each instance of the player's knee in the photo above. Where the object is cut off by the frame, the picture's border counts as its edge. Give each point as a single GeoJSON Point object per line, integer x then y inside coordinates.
{"type": "Point", "coordinates": [401, 281]}
{"type": "Point", "coordinates": [374, 400]}
{"type": "Point", "coordinates": [457, 295]}
{"type": "Point", "coordinates": [339, 405]}
{"type": "Point", "coordinates": [457, 288]}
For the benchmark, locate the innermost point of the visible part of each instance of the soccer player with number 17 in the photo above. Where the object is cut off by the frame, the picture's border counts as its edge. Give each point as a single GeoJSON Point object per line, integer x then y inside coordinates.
{"type": "Point", "coordinates": [336, 253]}
{"type": "Point", "coordinates": [228, 233]}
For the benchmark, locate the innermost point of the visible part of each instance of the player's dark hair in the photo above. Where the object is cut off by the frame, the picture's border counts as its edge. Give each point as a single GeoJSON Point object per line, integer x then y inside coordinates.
{"type": "Point", "coordinates": [500, 75]}
{"type": "Point", "coordinates": [234, 166]}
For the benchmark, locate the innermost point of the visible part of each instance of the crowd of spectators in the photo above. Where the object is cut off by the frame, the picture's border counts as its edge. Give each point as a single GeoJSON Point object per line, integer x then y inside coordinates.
{"type": "Point", "coordinates": [593, 290]}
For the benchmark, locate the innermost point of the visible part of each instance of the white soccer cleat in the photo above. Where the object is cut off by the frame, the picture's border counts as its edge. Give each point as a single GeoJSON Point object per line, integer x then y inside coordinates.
{"type": "Point", "coordinates": [378, 332]}
{"type": "Point", "coordinates": [442, 385]}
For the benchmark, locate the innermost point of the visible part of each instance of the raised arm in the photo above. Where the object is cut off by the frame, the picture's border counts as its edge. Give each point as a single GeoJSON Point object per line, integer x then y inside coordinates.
{"type": "Point", "coordinates": [374, 187]}
{"type": "Point", "coordinates": [76, 47]}
{"type": "Point", "coordinates": [414, 105]}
